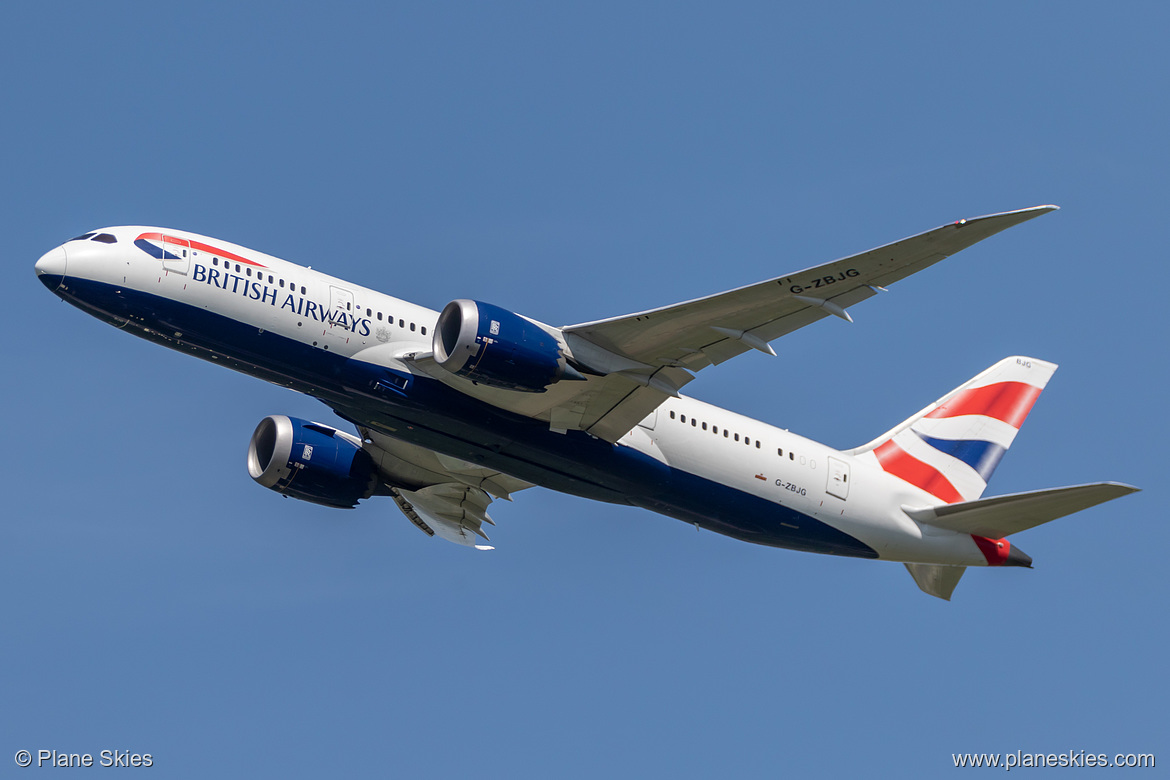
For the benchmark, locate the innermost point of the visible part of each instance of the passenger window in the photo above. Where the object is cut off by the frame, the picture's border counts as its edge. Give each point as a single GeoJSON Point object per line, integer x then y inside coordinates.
{"type": "Point", "coordinates": [791, 456]}
{"type": "Point", "coordinates": [270, 278]}
{"type": "Point", "coordinates": [757, 444]}
{"type": "Point", "coordinates": [369, 313]}
{"type": "Point", "coordinates": [249, 272]}
{"type": "Point", "coordinates": [424, 330]}
{"type": "Point", "coordinates": [401, 323]}
{"type": "Point", "coordinates": [302, 289]}
{"type": "Point", "coordinates": [725, 433]}
{"type": "Point", "coordinates": [693, 422]}
{"type": "Point", "coordinates": [683, 418]}
{"type": "Point", "coordinates": [282, 282]}
{"type": "Point", "coordinates": [672, 415]}
{"type": "Point", "coordinates": [704, 426]}
{"type": "Point", "coordinates": [737, 437]}
{"type": "Point", "coordinates": [412, 327]}
{"type": "Point", "coordinates": [237, 267]}
{"type": "Point", "coordinates": [379, 316]}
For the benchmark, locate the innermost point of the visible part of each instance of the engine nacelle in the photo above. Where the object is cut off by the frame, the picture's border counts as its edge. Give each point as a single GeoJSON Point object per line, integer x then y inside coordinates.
{"type": "Point", "coordinates": [498, 348]}
{"type": "Point", "coordinates": [310, 461]}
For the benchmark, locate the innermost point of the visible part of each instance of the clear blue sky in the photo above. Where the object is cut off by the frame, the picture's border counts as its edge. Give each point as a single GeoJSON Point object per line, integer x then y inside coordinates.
{"type": "Point", "coordinates": [572, 163]}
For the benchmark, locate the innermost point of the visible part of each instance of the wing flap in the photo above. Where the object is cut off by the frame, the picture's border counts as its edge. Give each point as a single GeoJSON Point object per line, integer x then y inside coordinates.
{"type": "Point", "coordinates": [443, 496]}
{"type": "Point", "coordinates": [1001, 516]}
{"type": "Point", "coordinates": [452, 511]}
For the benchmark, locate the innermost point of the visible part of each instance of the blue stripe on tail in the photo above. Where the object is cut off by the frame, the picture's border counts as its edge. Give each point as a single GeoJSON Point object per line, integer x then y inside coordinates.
{"type": "Point", "coordinates": [983, 456]}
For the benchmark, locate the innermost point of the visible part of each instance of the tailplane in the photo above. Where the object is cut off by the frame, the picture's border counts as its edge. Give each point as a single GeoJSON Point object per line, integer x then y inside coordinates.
{"type": "Point", "coordinates": [951, 448]}
{"type": "Point", "coordinates": [936, 580]}
{"type": "Point", "coordinates": [995, 518]}
{"type": "Point", "coordinates": [989, 520]}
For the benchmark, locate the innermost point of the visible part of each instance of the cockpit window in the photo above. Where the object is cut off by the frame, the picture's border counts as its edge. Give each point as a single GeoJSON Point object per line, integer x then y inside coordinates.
{"type": "Point", "coordinates": [105, 238]}
{"type": "Point", "coordinates": [82, 237]}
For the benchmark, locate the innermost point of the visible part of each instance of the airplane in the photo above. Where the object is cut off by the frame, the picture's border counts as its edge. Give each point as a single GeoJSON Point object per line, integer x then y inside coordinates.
{"type": "Point", "coordinates": [456, 408]}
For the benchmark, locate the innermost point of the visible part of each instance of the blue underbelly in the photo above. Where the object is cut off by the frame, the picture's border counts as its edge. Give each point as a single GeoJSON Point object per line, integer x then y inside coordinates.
{"type": "Point", "coordinates": [428, 413]}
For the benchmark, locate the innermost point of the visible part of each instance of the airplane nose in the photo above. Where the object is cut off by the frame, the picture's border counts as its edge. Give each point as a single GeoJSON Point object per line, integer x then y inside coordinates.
{"type": "Point", "coordinates": [51, 268]}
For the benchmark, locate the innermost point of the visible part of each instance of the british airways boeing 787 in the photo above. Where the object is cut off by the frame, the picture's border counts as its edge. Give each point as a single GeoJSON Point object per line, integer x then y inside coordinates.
{"type": "Point", "coordinates": [458, 407]}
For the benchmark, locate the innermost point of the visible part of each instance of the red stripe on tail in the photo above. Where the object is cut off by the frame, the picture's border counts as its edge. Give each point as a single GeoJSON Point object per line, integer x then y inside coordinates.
{"type": "Point", "coordinates": [903, 465]}
{"type": "Point", "coordinates": [1006, 401]}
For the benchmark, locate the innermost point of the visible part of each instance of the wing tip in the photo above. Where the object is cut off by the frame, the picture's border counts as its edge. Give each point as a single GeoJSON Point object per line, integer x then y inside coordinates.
{"type": "Point", "coordinates": [1020, 215]}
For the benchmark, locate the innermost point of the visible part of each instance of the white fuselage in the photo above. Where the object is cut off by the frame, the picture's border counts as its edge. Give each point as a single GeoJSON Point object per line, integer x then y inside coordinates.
{"type": "Point", "coordinates": [849, 493]}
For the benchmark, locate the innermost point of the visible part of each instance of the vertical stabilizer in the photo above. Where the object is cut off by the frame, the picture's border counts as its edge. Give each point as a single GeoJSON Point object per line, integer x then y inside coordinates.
{"type": "Point", "coordinates": [951, 448]}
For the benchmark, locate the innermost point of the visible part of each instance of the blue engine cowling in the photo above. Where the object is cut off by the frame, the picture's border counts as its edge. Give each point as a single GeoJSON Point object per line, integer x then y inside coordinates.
{"type": "Point", "coordinates": [498, 348]}
{"type": "Point", "coordinates": [310, 461]}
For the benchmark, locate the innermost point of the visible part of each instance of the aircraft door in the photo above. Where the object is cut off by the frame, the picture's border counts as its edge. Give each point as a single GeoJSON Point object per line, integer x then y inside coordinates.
{"type": "Point", "coordinates": [176, 255]}
{"type": "Point", "coordinates": [341, 312]}
{"type": "Point", "coordinates": [838, 479]}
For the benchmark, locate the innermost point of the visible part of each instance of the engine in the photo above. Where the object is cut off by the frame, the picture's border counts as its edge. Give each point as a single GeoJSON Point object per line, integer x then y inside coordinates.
{"type": "Point", "coordinates": [310, 461]}
{"type": "Point", "coordinates": [498, 348]}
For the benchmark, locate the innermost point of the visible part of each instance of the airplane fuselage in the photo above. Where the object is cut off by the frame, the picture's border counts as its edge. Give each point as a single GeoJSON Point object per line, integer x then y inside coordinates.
{"type": "Point", "coordinates": [348, 346]}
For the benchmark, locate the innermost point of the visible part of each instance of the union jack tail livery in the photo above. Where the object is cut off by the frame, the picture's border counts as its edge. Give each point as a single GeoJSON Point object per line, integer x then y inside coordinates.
{"type": "Point", "coordinates": [951, 448]}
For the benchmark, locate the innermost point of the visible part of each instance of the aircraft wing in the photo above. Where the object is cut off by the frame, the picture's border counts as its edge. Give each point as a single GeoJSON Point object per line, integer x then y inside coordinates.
{"type": "Point", "coordinates": [441, 495]}
{"type": "Point", "coordinates": [632, 364]}
{"type": "Point", "coordinates": [709, 330]}
{"type": "Point", "coordinates": [647, 356]}
{"type": "Point", "coordinates": [452, 511]}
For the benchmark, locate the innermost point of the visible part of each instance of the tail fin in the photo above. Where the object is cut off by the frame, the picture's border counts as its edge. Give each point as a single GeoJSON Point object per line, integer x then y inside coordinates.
{"type": "Point", "coordinates": [951, 448]}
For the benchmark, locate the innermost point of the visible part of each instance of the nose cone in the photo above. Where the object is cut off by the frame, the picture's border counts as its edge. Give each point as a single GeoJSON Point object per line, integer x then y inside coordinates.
{"type": "Point", "coordinates": [51, 268]}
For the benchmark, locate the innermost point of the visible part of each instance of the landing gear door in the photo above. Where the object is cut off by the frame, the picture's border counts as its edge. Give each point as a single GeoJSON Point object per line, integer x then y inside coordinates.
{"type": "Point", "coordinates": [838, 479]}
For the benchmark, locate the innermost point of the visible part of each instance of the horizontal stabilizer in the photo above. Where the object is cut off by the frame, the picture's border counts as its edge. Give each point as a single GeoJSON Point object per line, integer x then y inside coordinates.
{"type": "Point", "coordinates": [1000, 516]}
{"type": "Point", "coordinates": [938, 581]}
